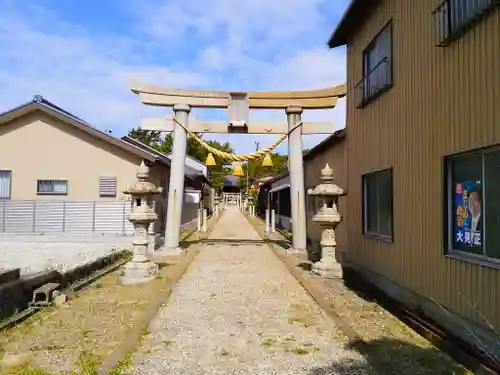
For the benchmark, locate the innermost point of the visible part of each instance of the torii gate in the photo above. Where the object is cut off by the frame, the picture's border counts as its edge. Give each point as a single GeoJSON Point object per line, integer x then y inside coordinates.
{"type": "Point", "coordinates": [238, 104]}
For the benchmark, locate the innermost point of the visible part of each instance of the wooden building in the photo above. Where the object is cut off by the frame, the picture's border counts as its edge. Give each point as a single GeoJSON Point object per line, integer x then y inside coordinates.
{"type": "Point", "coordinates": [423, 123]}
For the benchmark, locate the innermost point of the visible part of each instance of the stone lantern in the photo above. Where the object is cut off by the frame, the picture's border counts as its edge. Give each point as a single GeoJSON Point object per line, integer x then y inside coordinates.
{"type": "Point", "coordinates": [217, 202]}
{"type": "Point", "coordinates": [140, 269]}
{"type": "Point", "coordinates": [251, 206]}
{"type": "Point", "coordinates": [328, 217]}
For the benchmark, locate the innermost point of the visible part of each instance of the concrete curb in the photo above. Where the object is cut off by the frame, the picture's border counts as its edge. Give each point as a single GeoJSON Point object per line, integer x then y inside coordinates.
{"type": "Point", "coordinates": [133, 338]}
{"type": "Point", "coordinates": [20, 291]}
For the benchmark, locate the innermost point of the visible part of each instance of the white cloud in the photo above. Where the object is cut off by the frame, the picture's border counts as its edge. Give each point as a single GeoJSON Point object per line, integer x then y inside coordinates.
{"type": "Point", "coordinates": [275, 20]}
{"type": "Point", "coordinates": [237, 45]}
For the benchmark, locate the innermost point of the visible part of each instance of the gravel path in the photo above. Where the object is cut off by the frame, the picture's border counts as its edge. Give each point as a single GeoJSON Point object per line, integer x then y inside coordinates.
{"type": "Point", "coordinates": [238, 310]}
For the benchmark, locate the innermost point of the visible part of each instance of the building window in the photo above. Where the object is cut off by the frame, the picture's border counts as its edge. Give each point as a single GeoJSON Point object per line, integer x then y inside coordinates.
{"type": "Point", "coordinates": [473, 215]}
{"type": "Point", "coordinates": [377, 68]}
{"type": "Point", "coordinates": [107, 186]}
{"type": "Point", "coordinates": [453, 17]}
{"type": "Point", "coordinates": [377, 204]}
{"type": "Point", "coordinates": [52, 187]}
{"type": "Point", "coordinates": [5, 184]}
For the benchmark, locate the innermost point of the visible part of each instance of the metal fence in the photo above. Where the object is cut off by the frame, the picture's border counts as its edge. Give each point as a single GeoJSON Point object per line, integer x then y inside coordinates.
{"type": "Point", "coordinates": [38, 216]}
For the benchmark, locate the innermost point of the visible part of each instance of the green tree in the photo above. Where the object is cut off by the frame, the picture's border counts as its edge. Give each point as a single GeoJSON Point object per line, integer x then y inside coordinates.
{"type": "Point", "coordinates": [223, 167]}
{"type": "Point", "coordinates": [256, 170]}
{"type": "Point", "coordinates": [193, 149]}
{"type": "Point", "coordinates": [148, 137]}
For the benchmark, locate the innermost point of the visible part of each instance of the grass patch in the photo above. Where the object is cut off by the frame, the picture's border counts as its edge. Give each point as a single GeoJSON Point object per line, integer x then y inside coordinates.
{"type": "Point", "coordinates": [123, 364]}
{"type": "Point", "coordinates": [86, 330]}
{"type": "Point", "coordinates": [167, 342]}
{"type": "Point", "coordinates": [300, 350]}
{"type": "Point", "coordinates": [25, 370]}
{"type": "Point", "coordinates": [268, 342]}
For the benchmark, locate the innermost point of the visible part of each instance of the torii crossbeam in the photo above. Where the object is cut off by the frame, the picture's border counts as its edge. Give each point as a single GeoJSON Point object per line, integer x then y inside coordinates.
{"type": "Point", "coordinates": [238, 105]}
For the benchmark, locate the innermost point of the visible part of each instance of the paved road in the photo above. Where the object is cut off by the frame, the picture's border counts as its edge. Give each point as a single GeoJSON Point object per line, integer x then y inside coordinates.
{"type": "Point", "coordinates": [238, 310]}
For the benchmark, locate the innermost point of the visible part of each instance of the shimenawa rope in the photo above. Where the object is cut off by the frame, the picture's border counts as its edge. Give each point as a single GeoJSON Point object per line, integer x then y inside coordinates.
{"type": "Point", "coordinates": [230, 156]}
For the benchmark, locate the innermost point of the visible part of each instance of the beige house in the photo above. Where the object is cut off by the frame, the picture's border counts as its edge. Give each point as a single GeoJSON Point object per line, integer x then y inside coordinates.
{"type": "Point", "coordinates": [57, 173]}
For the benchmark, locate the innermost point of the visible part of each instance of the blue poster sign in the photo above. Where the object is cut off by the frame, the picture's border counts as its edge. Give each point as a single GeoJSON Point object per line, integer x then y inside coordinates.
{"type": "Point", "coordinates": [468, 206]}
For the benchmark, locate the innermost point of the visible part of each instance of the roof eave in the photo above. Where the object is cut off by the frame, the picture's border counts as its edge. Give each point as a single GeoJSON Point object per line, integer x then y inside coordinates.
{"type": "Point", "coordinates": [29, 107]}
{"type": "Point", "coordinates": [158, 156]}
{"type": "Point", "coordinates": [338, 38]}
{"type": "Point", "coordinates": [332, 139]}
{"type": "Point", "coordinates": [337, 41]}
{"type": "Point", "coordinates": [351, 19]}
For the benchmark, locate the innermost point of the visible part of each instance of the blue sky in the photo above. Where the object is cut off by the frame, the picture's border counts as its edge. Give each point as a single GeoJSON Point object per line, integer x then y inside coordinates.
{"type": "Point", "coordinates": [82, 55]}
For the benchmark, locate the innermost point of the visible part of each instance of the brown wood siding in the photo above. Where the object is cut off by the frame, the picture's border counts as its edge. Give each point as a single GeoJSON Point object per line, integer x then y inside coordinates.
{"type": "Point", "coordinates": [444, 100]}
{"type": "Point", "coordinates": [335, 156]}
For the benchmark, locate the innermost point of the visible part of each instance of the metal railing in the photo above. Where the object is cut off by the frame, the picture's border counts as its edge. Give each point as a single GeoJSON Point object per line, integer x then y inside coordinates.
{"type": "Point", "coordinates": [378, 80]}
{"type": "Point", "coordinates": [453, 17]}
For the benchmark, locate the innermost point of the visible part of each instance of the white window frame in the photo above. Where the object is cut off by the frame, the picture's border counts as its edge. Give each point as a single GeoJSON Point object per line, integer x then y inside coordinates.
{"type": "Point", "coordinates": [54, 182]}
{"type": "Point", "coordinates": [8, 173]}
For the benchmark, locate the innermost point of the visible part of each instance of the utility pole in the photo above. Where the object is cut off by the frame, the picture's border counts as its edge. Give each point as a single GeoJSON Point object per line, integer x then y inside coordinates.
{"type": "Point", "coordinates": [248, 162]}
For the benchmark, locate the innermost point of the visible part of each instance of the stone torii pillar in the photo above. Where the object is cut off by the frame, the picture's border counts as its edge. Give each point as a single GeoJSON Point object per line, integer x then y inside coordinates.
{"type": "Point", "coordinates": [238, 105]}
{"type": "Point", "coordinates": [297, 190]}
{"type": "Point", "coordinates": [176, 184]}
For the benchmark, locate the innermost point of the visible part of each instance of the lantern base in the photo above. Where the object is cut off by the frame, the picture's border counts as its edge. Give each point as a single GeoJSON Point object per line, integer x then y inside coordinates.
{"type": "Point", "coordinates": [168, 251]}
{"type": "Point", "coordinates": [329, 269]}
{"type": "Point", "coordinates": [292, 250]}
{"type": "Point", "coordinates": [138, 272]}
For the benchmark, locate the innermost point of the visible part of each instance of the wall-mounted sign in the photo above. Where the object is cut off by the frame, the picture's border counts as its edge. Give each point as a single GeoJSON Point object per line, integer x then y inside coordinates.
{"type": "Point", "coordinates": [469, 211]}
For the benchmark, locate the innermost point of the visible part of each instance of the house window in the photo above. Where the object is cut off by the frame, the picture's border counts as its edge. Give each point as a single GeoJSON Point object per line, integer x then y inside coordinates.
{"type": "Point", "coordinates": [473, 215]}
{"type": "Point", "coordinates": [5, 184]}
{"type": "Point", "coordinates": [52, 187]}
{"type": "Point", "coordinates": [454, 17]}
{"type": "Point", "coordinates": [107, 186]}
{"type": "Point", "coordinates": [377, 204]}
{"type": "Point", "coordinates": [377, 68]}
